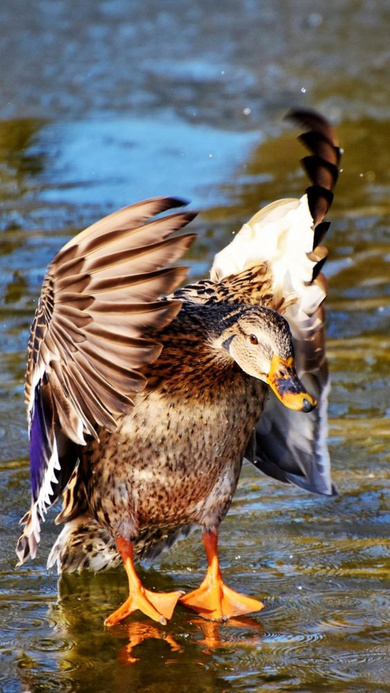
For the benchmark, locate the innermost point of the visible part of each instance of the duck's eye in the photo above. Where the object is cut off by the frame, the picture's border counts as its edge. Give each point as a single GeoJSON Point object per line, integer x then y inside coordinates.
{"type": "Point", "coordinates": [253, 339]}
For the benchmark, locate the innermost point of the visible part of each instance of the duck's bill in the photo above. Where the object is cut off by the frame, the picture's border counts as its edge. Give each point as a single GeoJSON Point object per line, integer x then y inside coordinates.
{"type": "Point", "coordinates": [284, 381]}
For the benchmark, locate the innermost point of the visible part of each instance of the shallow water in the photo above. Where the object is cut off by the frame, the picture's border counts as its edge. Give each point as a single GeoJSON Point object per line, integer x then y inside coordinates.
{"type": "Point", "coordinates": [115, 102]}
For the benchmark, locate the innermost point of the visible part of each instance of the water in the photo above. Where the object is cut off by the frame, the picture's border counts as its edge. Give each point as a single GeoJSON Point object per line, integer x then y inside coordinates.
{"type": "Point", "coordinates": [116, 101]}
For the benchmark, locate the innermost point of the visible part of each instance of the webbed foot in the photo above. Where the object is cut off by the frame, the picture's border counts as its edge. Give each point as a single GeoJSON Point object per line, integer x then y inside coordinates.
{"type": "Point", "coordinates": [157, 605]}
{"type": "Point", "coordinates": [213, 599]}
{"type": "Point", "coordinates": [217, 602]}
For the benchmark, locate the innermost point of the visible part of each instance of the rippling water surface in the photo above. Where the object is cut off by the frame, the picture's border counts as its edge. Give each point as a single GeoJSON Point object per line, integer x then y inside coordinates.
{"type": "Point", "coordinates": [112, 102]}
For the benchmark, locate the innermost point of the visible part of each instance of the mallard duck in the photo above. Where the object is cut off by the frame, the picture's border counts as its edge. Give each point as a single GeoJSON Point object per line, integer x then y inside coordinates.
{"type": "Point", "coordinates": [144, 398]}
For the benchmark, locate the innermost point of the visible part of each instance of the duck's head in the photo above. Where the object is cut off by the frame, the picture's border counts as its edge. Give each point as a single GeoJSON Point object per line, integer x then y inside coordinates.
{"type": "Point", "coordinates": [259, 340]}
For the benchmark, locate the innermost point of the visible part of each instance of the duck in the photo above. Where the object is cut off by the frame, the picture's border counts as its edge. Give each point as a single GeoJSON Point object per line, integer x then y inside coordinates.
{"type": "Point", "coordinates": [144, 396]}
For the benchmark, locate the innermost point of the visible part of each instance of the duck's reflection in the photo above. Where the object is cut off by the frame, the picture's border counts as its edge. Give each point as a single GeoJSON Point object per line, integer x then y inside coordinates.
{"type": "Point", "coordinates": [188, 654]}
{"type": "Point", "coordinates": [207, 636]}
{"type": "Point", "coordinates": [137, 632]}
{"type": "Point", "coordinates": [235, 632]}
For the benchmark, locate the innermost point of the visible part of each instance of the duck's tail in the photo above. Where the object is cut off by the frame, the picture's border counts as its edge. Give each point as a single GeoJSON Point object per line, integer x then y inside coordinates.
{"type": "Point", "coordinates": [84, 544]}
{"type": "Point", "coordinates": [287, 235]}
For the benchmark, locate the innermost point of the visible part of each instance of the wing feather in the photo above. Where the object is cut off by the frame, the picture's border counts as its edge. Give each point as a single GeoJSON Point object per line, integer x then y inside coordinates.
{"type": "Point", "coordinates": [106, 282]}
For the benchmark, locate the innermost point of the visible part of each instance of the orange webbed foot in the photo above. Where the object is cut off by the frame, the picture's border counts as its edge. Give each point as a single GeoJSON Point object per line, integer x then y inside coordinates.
{"type": "Point", "coordinates": [157, 605]}
{"type": "Point", "coordinates": [213, 599]}
{"type": "Point", "coordinates": [217, 602]}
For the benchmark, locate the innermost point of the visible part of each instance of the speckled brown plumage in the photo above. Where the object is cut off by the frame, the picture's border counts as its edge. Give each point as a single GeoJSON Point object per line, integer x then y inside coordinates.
{"type": "Point", "coordinates": [183, 442]}
{"type": "Point", "coordinates": [142, 403]}
{"type": "Point", "coordinates": [251, 287]}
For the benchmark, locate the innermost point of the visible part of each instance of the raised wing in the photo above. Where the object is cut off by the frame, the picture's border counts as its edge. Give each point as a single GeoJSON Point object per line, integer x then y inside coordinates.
{"type": "Point", "coordinates": [101, 293]}
{"type": "Point", "coordinates": [286, 236]}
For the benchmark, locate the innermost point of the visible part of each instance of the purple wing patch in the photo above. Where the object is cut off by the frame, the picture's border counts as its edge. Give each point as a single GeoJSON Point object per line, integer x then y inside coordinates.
{"type": "Point", "coordinates": [41, 443]}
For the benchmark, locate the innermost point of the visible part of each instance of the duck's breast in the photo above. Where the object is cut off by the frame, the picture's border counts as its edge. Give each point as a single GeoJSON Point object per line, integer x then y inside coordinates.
{"type": "Point", "coordinates": [176, 459]}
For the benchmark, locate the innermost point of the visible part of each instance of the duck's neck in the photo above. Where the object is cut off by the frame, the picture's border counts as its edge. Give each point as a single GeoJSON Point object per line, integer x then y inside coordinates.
{"type": "Point", "coordinates": [192, 346]}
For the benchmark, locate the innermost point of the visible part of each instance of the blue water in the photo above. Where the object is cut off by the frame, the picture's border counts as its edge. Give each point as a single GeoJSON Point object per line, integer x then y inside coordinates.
{"type": "Point", "coordinates": [106, 103]}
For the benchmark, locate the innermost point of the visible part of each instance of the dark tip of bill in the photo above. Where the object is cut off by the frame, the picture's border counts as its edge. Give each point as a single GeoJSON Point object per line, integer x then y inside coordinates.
{"type": "Point", "coordinates": [307, 406]}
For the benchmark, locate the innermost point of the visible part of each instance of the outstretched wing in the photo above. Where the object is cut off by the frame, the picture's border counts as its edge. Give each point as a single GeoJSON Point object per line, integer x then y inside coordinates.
{"type": "Point", "coordinates": [100, 294]}
{"type": "Point", "coordinates": [286, 238]}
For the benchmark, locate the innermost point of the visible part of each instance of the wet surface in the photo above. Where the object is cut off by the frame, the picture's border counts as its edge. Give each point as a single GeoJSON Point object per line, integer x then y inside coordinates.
{"type": "Point", "coordinates": [109, 104]}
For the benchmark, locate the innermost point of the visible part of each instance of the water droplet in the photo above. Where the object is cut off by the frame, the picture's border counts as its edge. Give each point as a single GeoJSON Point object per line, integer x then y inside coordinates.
{"type": "Point", "coordinates": [315, 19]}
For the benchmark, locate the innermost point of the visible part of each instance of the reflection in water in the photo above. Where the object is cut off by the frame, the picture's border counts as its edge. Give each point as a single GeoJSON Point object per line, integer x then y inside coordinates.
{"type": "Point", "coordinates": [19, 163]}
{"type": "Point", "coordinates": [138, 633]}
{"type": "Point", "coordinates": [187, 652]}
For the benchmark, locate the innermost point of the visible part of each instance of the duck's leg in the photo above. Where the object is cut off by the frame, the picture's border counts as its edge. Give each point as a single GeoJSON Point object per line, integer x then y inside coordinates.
{"type": "Point", "coordinates": [213, 599]}
{"type": "Point", "coordinates": [158, 605]}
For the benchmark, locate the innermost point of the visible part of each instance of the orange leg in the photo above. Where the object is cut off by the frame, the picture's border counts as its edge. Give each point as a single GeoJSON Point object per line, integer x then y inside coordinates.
{"type": "Point", "coordinates": [213, 599]}
{"type": "Point", "coordinates": [158, 605]}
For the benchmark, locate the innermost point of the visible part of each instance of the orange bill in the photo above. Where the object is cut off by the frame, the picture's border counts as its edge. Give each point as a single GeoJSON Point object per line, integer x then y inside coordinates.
{"type": "Point", "coordinates": [284, 381]}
